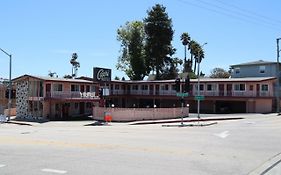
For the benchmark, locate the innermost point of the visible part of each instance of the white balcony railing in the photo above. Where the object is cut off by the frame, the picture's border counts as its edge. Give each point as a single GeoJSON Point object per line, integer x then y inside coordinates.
{"type": "Point", "coordinates": [70, 94]}
{"type": "Point", "coordinates": [194, 93]}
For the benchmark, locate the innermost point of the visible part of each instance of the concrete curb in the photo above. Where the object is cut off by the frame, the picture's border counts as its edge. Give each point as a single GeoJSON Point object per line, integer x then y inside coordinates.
{"type": "Point", "coordinates": [266, 167]}
{"type": "Point", "coordinates": [185, 120]}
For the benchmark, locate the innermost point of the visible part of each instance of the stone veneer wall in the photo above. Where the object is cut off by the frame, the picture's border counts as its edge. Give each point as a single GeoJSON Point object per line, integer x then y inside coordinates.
{"type": "Point", "coordinates": [22, 99]}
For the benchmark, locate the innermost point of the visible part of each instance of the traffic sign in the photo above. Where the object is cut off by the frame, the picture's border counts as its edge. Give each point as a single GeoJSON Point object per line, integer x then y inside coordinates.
{"type": "Point", "coordinates": [199, 97]}
{"type": "Point", "coordinates": [182, 94]}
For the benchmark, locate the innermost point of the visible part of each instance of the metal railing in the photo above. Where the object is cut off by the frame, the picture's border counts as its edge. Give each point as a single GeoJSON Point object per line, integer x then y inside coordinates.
{"type": "Point", "coordinates": [71, 94]}
{"type": "Point", "coordinates": [194, 93]}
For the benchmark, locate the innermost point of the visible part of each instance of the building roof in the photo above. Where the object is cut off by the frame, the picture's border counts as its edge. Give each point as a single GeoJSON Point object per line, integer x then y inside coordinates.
{"type": "Point", "coordinates": [259, 62]}
{"type": "Point", "coordinates": [246, 79]}
{"type": "Point", "coordinates": [203, 80]}
{"type": "Point", "coordinates": [53, 79]}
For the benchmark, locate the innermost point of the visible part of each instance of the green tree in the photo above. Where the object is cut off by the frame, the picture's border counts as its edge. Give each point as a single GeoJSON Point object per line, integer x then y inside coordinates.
{"type": "Point", "coordinates": [171, 71]}
{"type": "Point", "coordinates": [185, 38]}
{"type": "Point", "coordinates": [219, 73]}
{"type": "Point", "coordinates": [132, 58]}
{"type": "Point", "coordinates": [159, 35]}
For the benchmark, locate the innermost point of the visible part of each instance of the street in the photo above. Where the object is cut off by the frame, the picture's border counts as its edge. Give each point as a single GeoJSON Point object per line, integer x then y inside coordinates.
{"type": "Point", "coordinates": [248, 146]}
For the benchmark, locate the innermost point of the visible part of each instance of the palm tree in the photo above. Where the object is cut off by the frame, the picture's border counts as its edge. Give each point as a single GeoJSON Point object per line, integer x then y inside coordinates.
{"type": "Point", "coordinates": [75, 64]}
{"type": "Point", "coordinates": [185, 38]}
{"type": "Point", "coordinates": [198, 54]}
{"type": "Point", "coordinates": [192, 47]}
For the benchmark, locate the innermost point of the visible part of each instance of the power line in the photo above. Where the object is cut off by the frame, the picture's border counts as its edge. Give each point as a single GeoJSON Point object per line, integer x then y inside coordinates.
{"type": "Point", "coordinates": [230, 13]}
{"type": "Point", "coordinates": [250, 12]}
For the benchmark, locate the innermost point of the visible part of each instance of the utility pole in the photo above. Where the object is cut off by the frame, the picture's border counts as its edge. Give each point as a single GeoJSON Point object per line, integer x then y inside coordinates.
{"type": "Point", "coordinates": [278, 80]}
{"type": "Point", "coordinates": [198, 83]}
{"type": "Point", "coordinates": [10, 85]}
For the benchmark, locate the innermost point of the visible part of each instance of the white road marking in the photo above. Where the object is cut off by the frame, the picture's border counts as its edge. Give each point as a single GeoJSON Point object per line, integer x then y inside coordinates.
{"type": "Point", "coordinates": [1, 165]}
{"type": "Point", "coordinates": [223, 134]}
{"type": "Point", "coordinates": [250, 123]}
{"type": "Point", "coordinates": [53, 171]}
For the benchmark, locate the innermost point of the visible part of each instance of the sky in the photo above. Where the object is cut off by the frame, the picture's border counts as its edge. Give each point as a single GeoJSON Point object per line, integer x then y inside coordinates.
{"type": "Point", "coordinates": [42, 35]}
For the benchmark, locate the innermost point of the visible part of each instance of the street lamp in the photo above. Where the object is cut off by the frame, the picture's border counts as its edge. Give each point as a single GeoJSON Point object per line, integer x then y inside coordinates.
{"type": "Point", "coordinates": [198, 84]}
{"type": "Point", "coordinates": [278, 79]}
{"type": "Point", "coordinates": [10, 84]}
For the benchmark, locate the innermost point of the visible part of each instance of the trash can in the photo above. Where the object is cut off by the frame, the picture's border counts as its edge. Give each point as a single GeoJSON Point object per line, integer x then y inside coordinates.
{"type": "Point", "coordinates": [107, 117]}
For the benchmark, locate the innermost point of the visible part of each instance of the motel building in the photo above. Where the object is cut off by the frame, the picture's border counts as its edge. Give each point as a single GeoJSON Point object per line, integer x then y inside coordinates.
{"type": "Point", "coordinates": [232, 95]}
{"type": "Point", "coordinates": [62, 99]}
{"type": "Point", "coordinates": [54, 98]}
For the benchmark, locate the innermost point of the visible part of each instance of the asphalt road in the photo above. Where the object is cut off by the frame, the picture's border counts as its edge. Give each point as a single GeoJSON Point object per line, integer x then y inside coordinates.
{"type": "Point", "coordinates": [248, 146]}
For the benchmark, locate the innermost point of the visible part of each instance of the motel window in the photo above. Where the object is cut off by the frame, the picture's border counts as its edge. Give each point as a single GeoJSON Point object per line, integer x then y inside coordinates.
{"type": "Point", "coordinates": [93, 88]}
{"type": "Point", "coordinates": [201, 87]}
{"type": "Point", "coordinates": [144, 87]}
{"type": "Point", "coordinates": [251, 87]}
{"type": "Point", "coordinates": [211, 87]}
{"type": "Point", "coordinates": [239, 87]}
{"type": "Point", "coordinates": [135, 87]}
{"type": "Point", "coordinates": [264, 87]}
{"type": "Point", "coordinates": [57, 87]}
{"type": "Point", "coordinates": [174, 87]}
{"type": "Point", "coordinates": [165, 87]}
{"type": "Point", "coordinates": [237, 70]}
{"type": "Point", "coordinates": [262, 69]}
{"type": "Point", "coordinates": [117, 87]}
{"type": "Point", "coordinates": [75, 87]}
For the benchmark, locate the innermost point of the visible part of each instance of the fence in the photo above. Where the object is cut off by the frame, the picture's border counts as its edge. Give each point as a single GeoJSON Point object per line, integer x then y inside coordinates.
{"type": "Point", "coordinates": [137, 114]}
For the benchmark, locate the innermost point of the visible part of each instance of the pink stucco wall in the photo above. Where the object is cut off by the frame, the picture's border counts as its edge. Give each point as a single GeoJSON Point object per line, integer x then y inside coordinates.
{"type": "Point", "coordinates": [136, 114]}
{"type": "Point", "coordinates": [263, 105]}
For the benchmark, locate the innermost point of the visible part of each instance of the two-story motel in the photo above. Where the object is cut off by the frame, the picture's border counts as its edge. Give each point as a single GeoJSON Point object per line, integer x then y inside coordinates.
{"type": "Point", "coordinates": [54, 98]}
{"type": "Point", "coordinates": [57, 98]}
{"type": "Point", "coordinates": [231, 95]}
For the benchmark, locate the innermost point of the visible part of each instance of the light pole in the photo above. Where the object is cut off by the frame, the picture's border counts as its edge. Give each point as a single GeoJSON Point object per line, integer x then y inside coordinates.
{"type": "Point", "coordinates": [10, 84]}
{"type": "Point", "coordinates": [278, 79]}
{"type": "Point", "coordinates": [198, 84]}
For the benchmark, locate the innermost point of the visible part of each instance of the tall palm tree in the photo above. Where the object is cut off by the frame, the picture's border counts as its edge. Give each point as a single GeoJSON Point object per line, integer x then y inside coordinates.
{"type": "Point", "coordinates": [75, 64]}
{"type": "Point", "coordinates": [198, 55]}
{"type": "Point", "coordinates": [192, 47]}
{"type": "Point", "coordinates": [185, 38]}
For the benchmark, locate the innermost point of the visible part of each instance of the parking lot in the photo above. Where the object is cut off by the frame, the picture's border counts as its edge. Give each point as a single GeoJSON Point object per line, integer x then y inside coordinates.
{"type": "Point", "coordinates": [248, 146]}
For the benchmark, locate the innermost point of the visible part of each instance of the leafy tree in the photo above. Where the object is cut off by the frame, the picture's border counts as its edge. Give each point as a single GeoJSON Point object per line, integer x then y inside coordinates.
{"type": "Point", "coordinates": [132, 58]}
{"type": "Point", "coordinates": [170, 71]}
{"type": "Point", "coordinates": [185, 38]}
{"type": "Point", "coordinates": [52, 74]}
{"type": "Point", "coordinates": [219, 73]}
{"type": "Point", "coordinates": [159, 34]}
{"type": "Point", "coordinates": [67, 76]}
{"type": "Point", "coordinates": [116, 78]}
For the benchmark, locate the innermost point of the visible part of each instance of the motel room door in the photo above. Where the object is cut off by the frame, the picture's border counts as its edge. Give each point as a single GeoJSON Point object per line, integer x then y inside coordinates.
{"type": "Point", "coordinates": [82, 107]}
{"type": "Point", "coordinates": [82, 88]}
{"type": "Point", "coordinates": [258, 90]}
{"type": "Point", "coordinates": [221, 89]}
{"type": "Point", "coordinates": [48, 90]}
{"type": "Point", "coordinates": [151, 89]}
{"type": "Point", "coordinates": [229, 89]}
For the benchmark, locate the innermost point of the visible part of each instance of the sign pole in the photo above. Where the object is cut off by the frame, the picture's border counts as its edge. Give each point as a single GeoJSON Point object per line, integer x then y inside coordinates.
{"type": "Point", "coordinates": [182, 110]}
